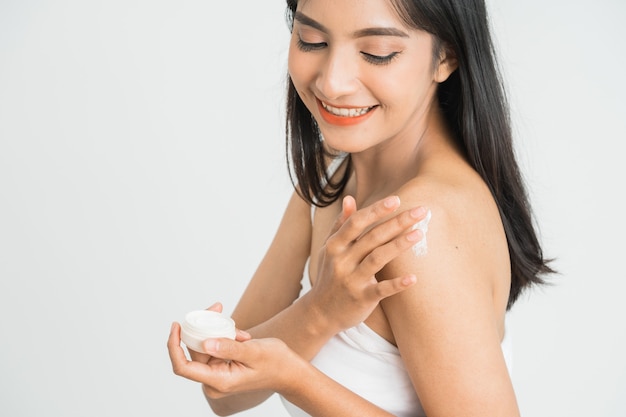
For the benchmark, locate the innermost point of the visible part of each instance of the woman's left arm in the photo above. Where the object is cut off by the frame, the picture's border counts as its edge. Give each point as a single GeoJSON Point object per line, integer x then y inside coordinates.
{"type": "Point", "coordinates": [448, 327]}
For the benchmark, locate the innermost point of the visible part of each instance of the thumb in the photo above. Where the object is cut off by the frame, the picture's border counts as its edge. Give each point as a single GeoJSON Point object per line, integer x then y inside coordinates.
{"type": "Point", "coordinates": [348, 208]}
{"type": "Point", "coordinates": [226, 349]}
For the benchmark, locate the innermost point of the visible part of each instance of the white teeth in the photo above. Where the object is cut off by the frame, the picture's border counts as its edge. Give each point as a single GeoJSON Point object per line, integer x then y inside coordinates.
{"type": "Point", "coordinates": [343, 112]}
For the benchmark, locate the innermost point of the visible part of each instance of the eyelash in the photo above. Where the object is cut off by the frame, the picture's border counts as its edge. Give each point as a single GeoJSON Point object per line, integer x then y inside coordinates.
{"type": "Point", "coordinates": [308, 47]}
{"type": "Point", "coordinates": [379, 60]}
{"type": "Point", "coordinates": [372, 59]}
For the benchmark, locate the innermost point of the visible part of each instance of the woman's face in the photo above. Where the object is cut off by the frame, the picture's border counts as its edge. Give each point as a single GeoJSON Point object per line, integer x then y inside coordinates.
{"type": "Point", "coordinates": [364, 75]}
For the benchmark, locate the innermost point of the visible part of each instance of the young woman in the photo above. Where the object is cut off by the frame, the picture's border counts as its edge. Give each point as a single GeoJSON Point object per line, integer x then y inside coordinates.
{"type": "Point", "coordinates": [395, 107]}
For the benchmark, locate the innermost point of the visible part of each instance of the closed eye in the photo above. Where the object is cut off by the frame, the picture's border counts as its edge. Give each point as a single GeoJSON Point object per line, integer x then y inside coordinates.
{"type": "Point", "coordinates": [379, 60]}
{"type": "Point", "coordinates": [307, 47]}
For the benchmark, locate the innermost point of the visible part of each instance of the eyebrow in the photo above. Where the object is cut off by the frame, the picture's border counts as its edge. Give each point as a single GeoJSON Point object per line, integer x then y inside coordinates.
{"type": "Point", "coordinates": [375, 31]}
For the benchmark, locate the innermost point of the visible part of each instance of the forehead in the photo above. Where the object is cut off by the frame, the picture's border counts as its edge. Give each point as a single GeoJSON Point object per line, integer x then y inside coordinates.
{"type": "Point", "coordinates": [351, 14]}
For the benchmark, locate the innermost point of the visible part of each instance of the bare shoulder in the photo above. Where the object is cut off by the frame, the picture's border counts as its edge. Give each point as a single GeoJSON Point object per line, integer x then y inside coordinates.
{"type": "Point", "coordinates": [465, 224]}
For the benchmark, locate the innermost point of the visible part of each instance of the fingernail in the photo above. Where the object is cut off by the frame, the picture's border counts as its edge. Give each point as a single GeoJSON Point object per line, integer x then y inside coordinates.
{"type": "Point", "coordinates": [418, 212]}
{"type": "Point", "coordinates": [211, 345]}
{"type": "Point", "coordinates": [392, 201]}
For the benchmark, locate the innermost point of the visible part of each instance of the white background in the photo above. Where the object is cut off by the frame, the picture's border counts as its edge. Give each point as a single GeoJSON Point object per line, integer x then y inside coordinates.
{"type": "Point", "coordinates": [142, 175]}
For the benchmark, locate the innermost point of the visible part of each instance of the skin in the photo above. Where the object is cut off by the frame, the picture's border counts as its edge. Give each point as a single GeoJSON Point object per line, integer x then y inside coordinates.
{"type": "Point", "coordinates": [360, 268]}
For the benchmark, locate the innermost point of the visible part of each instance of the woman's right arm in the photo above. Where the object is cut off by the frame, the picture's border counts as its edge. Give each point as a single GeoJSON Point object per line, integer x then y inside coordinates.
{"type": "Point", "coordinates": [344, 293]}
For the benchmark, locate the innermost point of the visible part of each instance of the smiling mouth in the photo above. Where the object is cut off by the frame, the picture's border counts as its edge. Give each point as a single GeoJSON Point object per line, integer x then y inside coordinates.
{"type": "Point", "coordinates": [346, 112]}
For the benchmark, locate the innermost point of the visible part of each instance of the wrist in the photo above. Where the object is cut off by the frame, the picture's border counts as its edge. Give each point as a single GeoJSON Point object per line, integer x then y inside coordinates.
{"type": "Point", "coordinates": [293, 383]}
{"type": "Point", "coordinates": [318, 325]}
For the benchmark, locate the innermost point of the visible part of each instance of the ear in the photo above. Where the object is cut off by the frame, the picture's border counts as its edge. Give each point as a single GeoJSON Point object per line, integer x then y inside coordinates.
{"type": "Point", "coordinates": [447, 64]}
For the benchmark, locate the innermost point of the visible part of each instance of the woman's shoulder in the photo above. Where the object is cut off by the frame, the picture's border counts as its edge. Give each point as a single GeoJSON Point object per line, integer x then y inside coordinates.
{"type": "Point", "coordinates": [464, 250]}
{"type": "Point", "coordinates": [464, 221]}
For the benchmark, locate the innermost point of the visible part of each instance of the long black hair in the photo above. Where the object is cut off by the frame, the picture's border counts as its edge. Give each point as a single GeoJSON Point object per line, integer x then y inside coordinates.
{"type": "Point", "coordinates": [474, 105]}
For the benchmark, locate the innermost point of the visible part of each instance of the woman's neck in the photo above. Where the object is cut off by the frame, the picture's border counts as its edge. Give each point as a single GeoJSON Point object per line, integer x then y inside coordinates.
{"type": "Point", "coordinates": [383, 170]}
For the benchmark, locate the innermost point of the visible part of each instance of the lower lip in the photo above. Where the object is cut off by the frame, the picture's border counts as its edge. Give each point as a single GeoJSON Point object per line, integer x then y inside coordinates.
{"type": "Point", "coordinates": [342, 120]}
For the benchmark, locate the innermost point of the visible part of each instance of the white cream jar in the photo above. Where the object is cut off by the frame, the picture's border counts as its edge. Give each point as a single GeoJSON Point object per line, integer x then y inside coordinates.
{"type": "Point", "coordinates": [205, 324]}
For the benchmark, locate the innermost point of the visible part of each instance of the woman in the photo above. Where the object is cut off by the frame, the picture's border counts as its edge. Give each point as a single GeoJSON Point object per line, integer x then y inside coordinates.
{"type": "Point", "coordinates": [395, 106]}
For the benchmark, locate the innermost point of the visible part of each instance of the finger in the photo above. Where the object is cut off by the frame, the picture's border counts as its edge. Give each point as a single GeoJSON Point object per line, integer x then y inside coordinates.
{"type": "Point", "coordinates": [228, 349]}
{"type": "Point", "coordinates": [348, 207]}
{"type": "Point", "coordinates": [387, 288]}
{"type": "Point", "coordinates": [367, 217]}
{"type": "Point", "coordinates": [175, 351]}
{"type": "Point", "coordinates": [195, 371]}
{"type": "Point", "coordinates": [383, 254]}
{"type": "Point", "coordinates": [359, 221]}
{"type": "Point", "coordinates": [242, 336]}
{"type": "Point", "coordinates": [198, 356]}
{"type": "Point", "coordinates": [216, 307]}
{"type": "Point", "coordinates": [216, 374]}
{"type": "Point", "coordinates": [393, 228]}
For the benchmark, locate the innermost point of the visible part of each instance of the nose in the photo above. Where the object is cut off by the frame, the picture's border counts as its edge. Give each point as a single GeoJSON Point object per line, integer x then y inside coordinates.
{"type": "Point", "coordinates": [338, 75]}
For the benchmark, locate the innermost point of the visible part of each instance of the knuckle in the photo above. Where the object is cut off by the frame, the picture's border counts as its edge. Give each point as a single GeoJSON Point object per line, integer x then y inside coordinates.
{"type": "Point", "coordinates": [359, 221]}
{"type": "Point", "coordinates": [375, 259]}
{"type": "Point", "coordinates": [339, 268]}
{"type": "Point", "coordinates": [378, 209]}
{"type": "Point", "coordinates": [396, 225]}
{"type": "Point", "coordinates": [401, 243]}
{"type": "Point", "coordinates": [332, 245]}
{"type": "Point", "coordinates": [405, 219]}
{"type": "Point", "coordinates": [382, 208]}
{"type": "Point", "coordinates": [379, 234]}
{"type": "Point", "coordinates": [374, 215]}
{"type": "Point", "coordinates": [380, 290]}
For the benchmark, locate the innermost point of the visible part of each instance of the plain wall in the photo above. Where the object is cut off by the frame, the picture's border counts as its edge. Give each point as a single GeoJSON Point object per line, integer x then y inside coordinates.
{"type": "Point", "coordinates": [142, 175]}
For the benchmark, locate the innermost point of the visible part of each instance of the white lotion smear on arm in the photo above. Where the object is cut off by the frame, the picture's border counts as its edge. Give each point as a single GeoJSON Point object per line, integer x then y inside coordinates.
{"type": "Point", "coordinates": [205, 324]}
{"type": "Point", "coordinates": [421, 247]}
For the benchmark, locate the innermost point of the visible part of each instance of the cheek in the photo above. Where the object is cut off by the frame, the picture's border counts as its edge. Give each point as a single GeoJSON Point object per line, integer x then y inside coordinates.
{"type": "Point", "coordinates": [296, 65]}
{"type": "Point", "coordinates": [403, 85]}
{"type": "Point", "coordinates": [302, 78]}
{"type": "Point", "coordinates": [391, 89]}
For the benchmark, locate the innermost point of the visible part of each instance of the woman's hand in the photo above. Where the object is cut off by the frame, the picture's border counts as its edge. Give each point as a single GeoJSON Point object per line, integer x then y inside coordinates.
{"type": "Point", "coordinates": [232, 366]}
{"type": "Point", "coordinates": [360, 244]}
{"type": "Point", "coordinates": [203, 357]}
